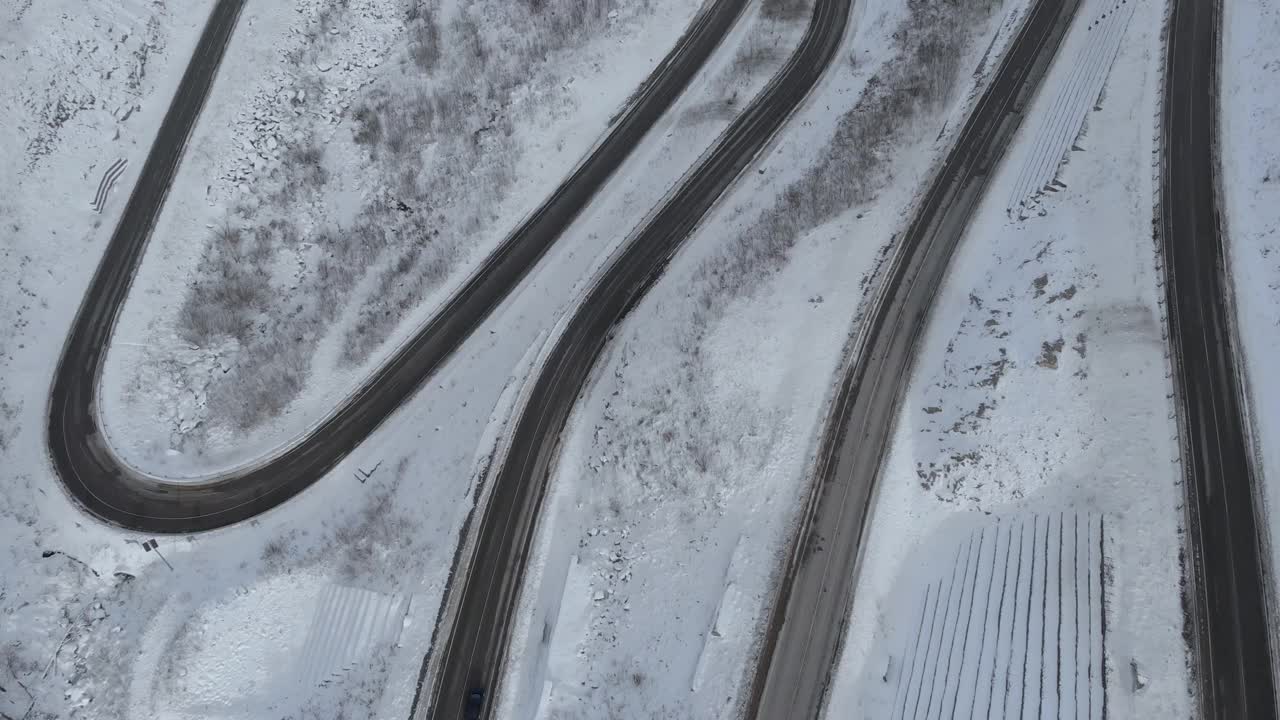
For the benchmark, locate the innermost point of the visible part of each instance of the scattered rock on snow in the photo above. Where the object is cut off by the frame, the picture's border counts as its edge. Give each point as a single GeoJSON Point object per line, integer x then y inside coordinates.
{"type": "Point", "coordinates": [1139, 680]}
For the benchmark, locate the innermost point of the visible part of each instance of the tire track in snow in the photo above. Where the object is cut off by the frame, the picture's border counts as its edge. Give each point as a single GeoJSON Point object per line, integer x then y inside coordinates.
{"type": "Point", "coordinates": [909, 661]}
{"type": "Point", "coordinates": [987, 617]}
{"type": "Point", "coordinates": [1004, 589]}
{"type": "Point", "coordinates": [964, 640]}
{"type": "Point", "coordinates": [1096, 608]}
{"type": "Point", "coordinates": [1057, 688]}
{"type": "Point", "coordinates": [932, 654]}
{"type": "Point", "coordinates": [1029, 632]}
{"type": "Point", "coordinates": [1102, 597]}
{"type": "Point", "coordinates": [962, 669]}
{"type": "Point", "coordinates": [1013, 622]}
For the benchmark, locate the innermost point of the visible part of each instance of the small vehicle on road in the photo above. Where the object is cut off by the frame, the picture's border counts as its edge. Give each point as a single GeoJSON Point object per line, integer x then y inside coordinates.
{"type": "Point", "coordinates": [475, 704]}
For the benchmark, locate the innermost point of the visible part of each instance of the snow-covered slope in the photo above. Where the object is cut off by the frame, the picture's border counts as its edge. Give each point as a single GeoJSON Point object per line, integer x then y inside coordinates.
{"type": "Point", "coordinates": [684, 465]}
{"type": "Point", "coordinates": [1041, 387]}
{"type": "Point", "coordinates": [1002, 620]}
{"type": "Point", "coordinates": [1251, 185]}
{"type": "Point", "coordinates": [356, 162]}
{"type": "Point", "coordinates": [233, 630]}
{"type": "Point", "coordinates": [82, 85]}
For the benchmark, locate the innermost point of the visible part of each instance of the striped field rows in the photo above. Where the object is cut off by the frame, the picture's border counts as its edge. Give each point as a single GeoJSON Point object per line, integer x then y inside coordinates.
{"type": "Point", "coordinates": [1013, 630]}
{"type": "Point", "coordinates": [1059, 129]}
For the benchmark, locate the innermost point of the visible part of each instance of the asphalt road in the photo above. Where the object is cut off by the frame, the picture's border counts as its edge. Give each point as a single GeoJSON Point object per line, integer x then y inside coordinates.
{"type": "Point", "coordinates": [118, 494]}
{"type": "Point", "coordinates": [477, 636]}
{"type": "Point", "coordinates": [1229, 596]}
{"type": "Point", "coordinates": [805, 631]}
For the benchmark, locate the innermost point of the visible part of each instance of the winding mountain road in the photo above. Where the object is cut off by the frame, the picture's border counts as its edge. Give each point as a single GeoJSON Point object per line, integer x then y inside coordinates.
{"type": "Point", "coordinates": [802, 640]}
{"type": "Point", "coordinates": [475, 648]}
{"type": "Point", "coordinates": [1228, 598]}
{"type": "Point", "coordinates": [119, 494]}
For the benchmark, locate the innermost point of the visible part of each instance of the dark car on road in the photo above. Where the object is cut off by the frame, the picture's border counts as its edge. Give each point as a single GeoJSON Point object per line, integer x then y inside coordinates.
{"type": "Point", "coordinates": [475, 704]}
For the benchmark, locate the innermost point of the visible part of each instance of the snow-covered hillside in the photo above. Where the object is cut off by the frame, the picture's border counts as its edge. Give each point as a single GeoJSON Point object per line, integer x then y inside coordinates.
{"type": "Point", "coordinates": [267, 616]}
{"type": "Point", "coordinates": [356, 161]}
{"type": "Point", "coordinates": [1250, 122]}
{"type": "Point", "coordinates": [684, 464]}
{"type": "Point", "coordinates": [82, 86]}
{"type": "Point", "coordinates": [1041, 393]}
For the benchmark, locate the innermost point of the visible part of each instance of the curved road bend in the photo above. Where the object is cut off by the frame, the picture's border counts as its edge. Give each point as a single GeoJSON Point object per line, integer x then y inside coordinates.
{"type": "Point", "coordinates": [118, 494]}
{"type": "Point", "coordinates": [475, 648]}
{"type": "Point", "coordinates": [1228, 595]}
{"type": "Point", "coordinates": [806, 628]}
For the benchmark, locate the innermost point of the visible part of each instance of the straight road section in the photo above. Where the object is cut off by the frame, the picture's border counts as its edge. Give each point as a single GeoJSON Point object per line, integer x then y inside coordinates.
{"type": "Point", "coordinates": [1228, 600]}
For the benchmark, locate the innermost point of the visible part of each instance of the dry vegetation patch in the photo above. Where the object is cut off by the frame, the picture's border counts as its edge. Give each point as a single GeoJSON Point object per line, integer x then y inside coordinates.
{"type": "Point", "coordinates": [439, 144]}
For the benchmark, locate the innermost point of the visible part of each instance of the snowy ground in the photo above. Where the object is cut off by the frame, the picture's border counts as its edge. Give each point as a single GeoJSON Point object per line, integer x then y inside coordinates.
{"type": "Point", "coordinates": [1251, 184]}
{"type": "Point", "coordinates": [685, 462]}
{"type": "Point", "coordinates": [1006, 621]}
{"type": "Point", "coordinates": [1042, 387]}
{"type": "Point", "coordinates": [354, 164]}
{"type": "Point", "coordinates": [83, 85]}
{"type": "Point", "coordinates": [298, 612]}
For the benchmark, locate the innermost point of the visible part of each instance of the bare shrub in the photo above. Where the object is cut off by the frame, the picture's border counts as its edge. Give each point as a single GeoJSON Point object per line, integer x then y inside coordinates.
{"type": "Point", "coordinates": [8, 413]}
{"type": "Point", "coordinates": [410, 235]}
{"type": "Point", "coordinates": [408, 124]}
{"type": "Point", "coordinates": [233, 287]}
{"type": "Point", "coordinates": [673, 446]}
{"type": "Point", "coordinates": [424, 47]}
{"type": "Point", "coordinates": [380, 529]}
{"type": "Point", "coordinates": [263, 389]}
{"type": "Point", "coordinates": [931, 42]}
{"type": "Point", "coordinates": [368, 126]}
{"type": "Point", "coordinates": [786, 9]}
{"type": "Point", "coordinates": [279, 553]}
{"type": "Point", "coordinates": [307, 165]}
{"type": "Point", "coordinates": [754, 54]}
{"type": "Point", "coordinates": [468, 41]}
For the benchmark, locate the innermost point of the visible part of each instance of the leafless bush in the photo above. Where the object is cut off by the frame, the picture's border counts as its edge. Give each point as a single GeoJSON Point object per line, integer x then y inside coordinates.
{"type": "Point", "coordinates": [356, 696]}
{"type": "Point", "coordinates": [675, 450]}
{"type": "Point", "coordinates": [408, 124]}
{"type": "Point", "coordinates": [279, 552]}
{"type": "Point", "coordinates": [8, 413]}
{"type": "Point", "coordinates": [306, 163]}
{"type": "Point", "coordinates": [268, 388]}
{"type": "Point", "coordinates": [368, 126]}
{"type": "Point", "coordinates": [424, 47]}
{"type": "Point", "coordinates": [232, 287]}
{"type": "Point", "coordinates": [921, 79]}
{"type": "Point", "coordinates": [410, 236]}
{"type": "Point", "coordinates": [786, 9]}
{"type": "Point", "coordinates": [418, 269]}
{"type": "Point", "coordinates": [755, 53]}
{"type": "Point", "coordinates": [425, 256]}
{"type": "Point", "coordinates": [468, 41]}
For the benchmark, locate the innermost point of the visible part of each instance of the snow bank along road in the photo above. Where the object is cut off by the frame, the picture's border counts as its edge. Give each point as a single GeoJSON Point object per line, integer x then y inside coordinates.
{"type": "Point", "coordinates": [108, 488]}
{"type": "Point", "coordinates": [1228, 600]}
{"type": "Point", "coordinates": [473, 653]}
{"type": "Point", "coordinates": [804, 633]}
